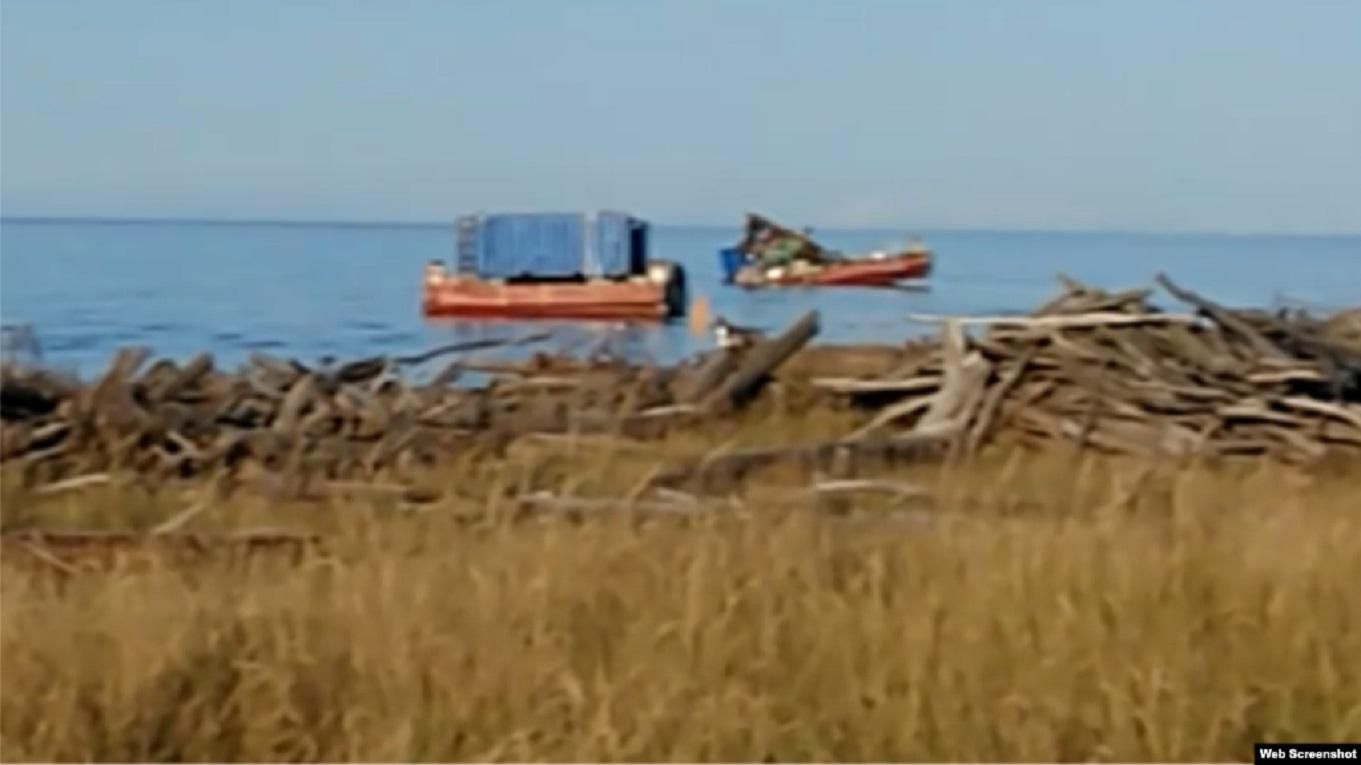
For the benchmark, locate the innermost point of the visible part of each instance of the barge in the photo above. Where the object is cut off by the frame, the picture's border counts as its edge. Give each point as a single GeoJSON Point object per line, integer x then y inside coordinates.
{"type": "Point", "coordinates": [554, 266]}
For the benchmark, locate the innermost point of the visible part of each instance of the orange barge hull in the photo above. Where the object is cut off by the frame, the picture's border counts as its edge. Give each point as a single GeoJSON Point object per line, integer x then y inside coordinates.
{"type": "Point", "coordinates": [602, 299]}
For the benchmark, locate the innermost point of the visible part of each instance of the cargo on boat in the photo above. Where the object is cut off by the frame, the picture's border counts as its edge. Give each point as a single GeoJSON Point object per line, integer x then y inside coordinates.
{"type": "Point", "coordinates": [773, 256]}
{"type": "Point", "coordinates": [554, 265]}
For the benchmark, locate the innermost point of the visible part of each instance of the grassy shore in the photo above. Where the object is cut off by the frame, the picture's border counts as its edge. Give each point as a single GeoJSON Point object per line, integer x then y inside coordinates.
{"type": "Point", "coordinates": [1033, 607]}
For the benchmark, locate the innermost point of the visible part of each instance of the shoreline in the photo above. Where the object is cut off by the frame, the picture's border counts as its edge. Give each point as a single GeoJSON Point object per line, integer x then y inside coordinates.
{"type": "Point", "coordinates": [1095, 370]}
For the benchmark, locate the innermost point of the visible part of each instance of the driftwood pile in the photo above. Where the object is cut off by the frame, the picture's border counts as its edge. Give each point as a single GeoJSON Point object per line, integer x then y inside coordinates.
{"type": "Point", "coordinates": [1100, 370]}
{"type": "Point", "coordinates": [356, 421]}
{"type": "Point", "coordinates": [182, 421]}
{"type": "Point", "coordinates": [1111, 372]}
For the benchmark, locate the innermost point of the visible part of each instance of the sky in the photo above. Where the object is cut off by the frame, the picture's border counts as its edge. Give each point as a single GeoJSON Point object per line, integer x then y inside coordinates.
{"type": "Point", "coordinates": [1147, 115]}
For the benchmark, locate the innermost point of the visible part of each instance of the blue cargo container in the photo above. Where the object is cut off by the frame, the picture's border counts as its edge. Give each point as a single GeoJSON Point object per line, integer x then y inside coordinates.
{"type": "Point", "coordinates": [607, 253]}
{"type": "Point", "coordinates": [552, 245]}
{"type": "Point", "coordinates": [546, 246]}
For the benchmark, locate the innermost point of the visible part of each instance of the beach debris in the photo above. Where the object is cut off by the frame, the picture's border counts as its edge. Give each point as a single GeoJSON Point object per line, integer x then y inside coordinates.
{"type": "Point", "coordinates": [761, 359]}
{"type": "Point", "coordinates": [1100, 370]}
{"type": "Point", "coordinates": [724, 471]}
{"type": "Point", "coordinates": [355, 421]}
{"type": "Point", "coordinates": [1109, 371]}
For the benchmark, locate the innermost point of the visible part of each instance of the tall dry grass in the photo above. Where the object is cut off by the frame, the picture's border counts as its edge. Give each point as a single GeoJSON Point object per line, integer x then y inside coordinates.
{"type": "Point", "coordinates": [1040, 610]}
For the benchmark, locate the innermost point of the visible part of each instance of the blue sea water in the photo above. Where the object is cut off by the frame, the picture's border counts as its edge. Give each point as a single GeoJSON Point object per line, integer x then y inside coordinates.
{"type": "Point", "coordinates": [304, 290]}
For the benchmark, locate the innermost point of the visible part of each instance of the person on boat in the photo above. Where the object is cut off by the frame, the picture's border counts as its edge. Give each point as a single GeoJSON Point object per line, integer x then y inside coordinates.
{"type": "Point", "coordinates": [916, 247]}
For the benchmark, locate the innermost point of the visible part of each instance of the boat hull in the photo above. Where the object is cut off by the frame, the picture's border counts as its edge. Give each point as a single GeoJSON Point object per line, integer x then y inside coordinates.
{"type": "Point", "coordinates": [597, 299]}
{"type": "Point", "coordinates": [866, 272]}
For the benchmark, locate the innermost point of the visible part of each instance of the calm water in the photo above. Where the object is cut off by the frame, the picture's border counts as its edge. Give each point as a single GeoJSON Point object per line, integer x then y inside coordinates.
{"type": "Point", "coordinates": [347, 291]}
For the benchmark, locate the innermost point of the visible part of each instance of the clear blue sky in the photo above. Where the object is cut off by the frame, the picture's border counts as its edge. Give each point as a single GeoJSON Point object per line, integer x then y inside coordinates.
{"type": "Point", "coordinates": [1240, 115]}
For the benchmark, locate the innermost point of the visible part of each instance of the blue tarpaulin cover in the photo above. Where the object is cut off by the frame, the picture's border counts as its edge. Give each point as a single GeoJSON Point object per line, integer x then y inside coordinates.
{"type": "Point", "coordinates": [552, 245]}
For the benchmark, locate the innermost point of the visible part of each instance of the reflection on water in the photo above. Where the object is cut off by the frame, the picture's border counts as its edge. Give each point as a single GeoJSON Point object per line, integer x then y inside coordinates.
{"type": "Point", "coordinates": [643, 341]}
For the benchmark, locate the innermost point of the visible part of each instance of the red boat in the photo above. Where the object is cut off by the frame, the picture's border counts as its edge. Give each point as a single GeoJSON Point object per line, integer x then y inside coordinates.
{"type": "Point", "coordinates": [658, 295]}
{"type": "Point", "coordinates": [857, 272]}
{"type": "Point", "coordinates": [771, 255]}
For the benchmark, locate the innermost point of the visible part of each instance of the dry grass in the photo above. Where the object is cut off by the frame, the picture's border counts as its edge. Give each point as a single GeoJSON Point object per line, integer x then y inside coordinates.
{"type": "Point", "coordinates": [1049, 610]}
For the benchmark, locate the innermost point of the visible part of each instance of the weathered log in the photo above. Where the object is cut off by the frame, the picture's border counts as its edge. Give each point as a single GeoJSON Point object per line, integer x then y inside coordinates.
{"type": "Point", "coordinates": [181, 519]}
{"type": "Point", "coordinates": [760, 361]}
{"type": "Point", "coordinates": [544, 502]}
{"type": "Point", "coordinates": [1335, 433]}
{"type": "Point", "coordinates": [157, 376]}
{"type": "Point", "coordinates": [1223, 317]}
{"type": "Point", "coordinates": [859, 361]}
{"type": "Point", "coordinates": [718, 472]}
{"type": "Point", "coordinates": [1078, 298]}
{"type": "Point", "coordinates": [898, 411]}
{"type": "Point", "coordinates": [1348, 413]}
{"type": "Point", "coordinates": [110, 398]}
{"type": "Point", "coordinates": [704, 380]}
{"type": "Point", "coordinates": [920, 384]}
{"type": "Point", "coordinates": [25, 398]}
{"type": "Point", "coordinates": [987, 413]}
{"type": "Point", "coordinates": [72, 484]}
{"type": "Point", "coordinates": [194, 371]}
{"type": "Point", "coordinates": [294, 404]}
{"type": "Point", "coordinates": [1084, 320]}
{"type": "Point", "coordinates": [961, 388]}
{"type": "Point", "coordinates": [125, 363]}
{"type": "Point", "coordinates": [900, 490]}
{"type": "Point", "coordinates": [15, 439]}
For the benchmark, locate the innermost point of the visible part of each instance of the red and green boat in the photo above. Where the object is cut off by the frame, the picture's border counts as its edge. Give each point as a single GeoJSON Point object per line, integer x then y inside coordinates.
{"type": "Point", "coordinates": [773, 256]}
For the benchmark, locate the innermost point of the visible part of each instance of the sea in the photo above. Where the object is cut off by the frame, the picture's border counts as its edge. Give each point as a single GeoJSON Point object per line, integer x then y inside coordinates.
{"type": "Point", "coordinates": [307, 291]}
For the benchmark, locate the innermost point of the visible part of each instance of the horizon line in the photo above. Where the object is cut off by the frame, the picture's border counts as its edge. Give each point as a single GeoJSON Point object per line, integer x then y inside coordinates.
{"type": "Point", "coordinates": [360, 223]}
